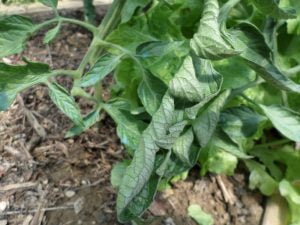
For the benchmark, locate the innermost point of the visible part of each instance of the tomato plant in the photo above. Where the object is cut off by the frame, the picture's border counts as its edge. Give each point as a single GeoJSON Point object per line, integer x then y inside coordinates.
{"type": "Point", "coordinates": [207, 82]}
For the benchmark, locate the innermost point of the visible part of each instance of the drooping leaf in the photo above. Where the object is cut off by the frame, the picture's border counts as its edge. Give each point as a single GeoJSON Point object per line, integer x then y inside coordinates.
{"type": "Point", "coordinates": [260, 179]}
{"type": "Point", "coordinates": [206, 123]}
{"type": "Point", "coordinates": [285, 120]}
{"type": "Point", "coordinates": [104, 65]}
{"type": "Point", "coordinates": [257, 54]}
{"type": "Point", "coordinates": [182, 147]}
{"type": "Point", "coordinates": [88, 121]}
{"type": "Point", "coordinates": [196, 81]}
{"type": "Point", "coordinates": [271, 7]}
{"type": "Point", "coordinates": [151, 91]}
{"type": "Point", "coordinates": [163, 58]}
{"type": "Point", "coordinates": [49, 3]}
{"type": "Point", "coordinates": [208, 42]}
{"type": "Point", "coordinates": [14, 32]}
{"type": "Point", "coordinates": [199, 215]}
{"type": "Point", "coordinates": [65, 102]}
{"type": "Point", "coordinates": [129, 128]}
{"type": "Point", "coordinates": [51, 34]}
{"type": "Point", "coordinates": [14, 79]}
{"type": "Point", "coordinates": [241, 124]}
{"type": "Point", "coordinates": [139, 171]}
{"type": "Point", "coordinates": [130, 7]}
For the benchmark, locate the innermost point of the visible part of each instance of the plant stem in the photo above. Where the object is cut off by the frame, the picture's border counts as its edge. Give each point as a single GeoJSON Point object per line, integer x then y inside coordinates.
{"type": "Point", "coordinates": [87, 26]}
{"type": "Point", "coordinates": [279, 142]}
{"type": "Point", "coordinates": [293, 70]}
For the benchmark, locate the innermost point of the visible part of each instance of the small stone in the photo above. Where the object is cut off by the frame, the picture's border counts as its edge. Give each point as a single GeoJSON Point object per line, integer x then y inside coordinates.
{"type": "Point", "coordinates": [3, 206]}
{"type": "Point", "coordinates": [3, 222]}
{"type": "Point", "coordinates": [69, 194]}
{"type": "Point", "coordinates": [78, 205]}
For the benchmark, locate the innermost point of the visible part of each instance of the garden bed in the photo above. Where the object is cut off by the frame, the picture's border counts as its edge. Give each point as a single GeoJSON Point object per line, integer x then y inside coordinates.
{"type": "Point", "coordinates": [66, 181]}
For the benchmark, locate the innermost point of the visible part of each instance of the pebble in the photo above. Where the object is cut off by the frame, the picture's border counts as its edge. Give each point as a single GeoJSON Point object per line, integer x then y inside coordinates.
{"type": "Point", "coordinates": [69, 194]}
{"type": "Point", "coordinates": [3, 206]}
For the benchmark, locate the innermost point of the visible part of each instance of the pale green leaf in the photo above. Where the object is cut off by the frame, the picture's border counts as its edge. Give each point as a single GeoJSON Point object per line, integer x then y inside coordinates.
{"type": "Point", "coordinates": [201, 217]}
{"type": "Point", "coordinates": [51, 34]}
{"type": "Point", "coordinates": [182, 147]}
{"type": "Point", "coordinates": [65, 103]}
{"type": "Point", "coordinates": [285, 120]}
{"type": "Point", "coordinates": [118, 172]}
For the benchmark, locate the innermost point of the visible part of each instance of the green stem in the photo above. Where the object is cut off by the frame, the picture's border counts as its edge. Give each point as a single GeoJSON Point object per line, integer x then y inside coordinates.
{"type": "Point", "coordinates": [85, 25]}
{"type": "Point", "coordinates": [293, 70]}
{"type": "Point", "coordinates": [279, 142]}
{"type": "Point", "coordinates": [71, 73]}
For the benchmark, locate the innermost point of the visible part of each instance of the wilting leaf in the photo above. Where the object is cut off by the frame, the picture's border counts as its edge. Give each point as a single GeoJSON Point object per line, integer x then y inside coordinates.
{"type": "Point", "coordinates": [208, 42]}
{"type": "Point", "coordinates": [196, 81]}
{"type": "Point", "coordinates": [14, 79]}
{"type": "Point", "coordinates": [206, 123]}
{"type": "Point", "coordinates": [257, 54]}
{"type": "Point", "coordinates": [14, 32]}
{"type": "Point", "coordinates": [65, 103]}
{"type": "Point", "coordinates": [285, 120]}
{"type": "Point", "coordinates": [104, 65]}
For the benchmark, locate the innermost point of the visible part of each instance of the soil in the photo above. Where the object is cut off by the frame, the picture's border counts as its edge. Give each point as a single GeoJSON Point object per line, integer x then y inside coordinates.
{"type": "Point", "coordinates": [58, 181]}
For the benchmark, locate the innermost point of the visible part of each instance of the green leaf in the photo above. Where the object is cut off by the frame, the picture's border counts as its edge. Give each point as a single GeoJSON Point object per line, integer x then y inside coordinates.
{"type": "Point", "coordinates": [129, 128]}
{"type": "Point", "coordinates": [208, 42]}
{"type": "Point", "coordinates": [88, 122]}
{"type": "Point", "coordinates": [118, 172]}
{"type": "Point", "coordinates": [138, 174]}
{"type": "Point", "coordinates": [52, 34]}
{"type": "Point", "coordinates": [285, 120]}
{"type": "Point", "coordinates": [130, 7]}
{"type": "Point", "coordinates": [199, 215]}
{"type": "Point", "coordinates": [104, 66]}
{"type": "Point", "coordinates": [14, 79]}
{"type": "Point", "coordinates": [292, 195]}
{"type": "Point", "coordinates": [65, 103]}
{"type": "Point", "coordinates": [271, 7]}
{"type": "Point", "coordinates": [14, 32]}
{"type": "Point", "coordinates": [196, 81]}
{"type": "Point", "coordinates": [206, 123]}
{"type": "Point", "coordinates": [89, 11]}
{"type": "Point", "coordinates": [257, 55]}
{"type": "Point", "coordinates": [163, 58]}
{"type": "Point", "coordinates": [241, 124]}
{"type": "Point", "coordinates": [49, 3]}
{"type": "Point", "coordinates": [260, 179]}
{"type": "Point", "coordinates": [151, 91]}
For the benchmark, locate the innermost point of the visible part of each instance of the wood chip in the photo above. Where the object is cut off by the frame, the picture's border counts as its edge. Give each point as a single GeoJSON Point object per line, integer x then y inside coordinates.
{"type": "Point", "coordinates": [18, 186]}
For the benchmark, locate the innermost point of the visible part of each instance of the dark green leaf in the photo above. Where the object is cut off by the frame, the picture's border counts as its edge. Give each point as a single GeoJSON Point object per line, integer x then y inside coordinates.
{"type": "Point", "coordinates": [206, 123]}
{"type": "Point", "coordinates": [14, 79]}
{"type": "Point", "coordinates": [257, 55]}
{"type": "Point", "coordinates": [89, 11]}
{"type": "Point", "coordinates": [286, 121]}
{"type": "Point", "coordinates": [271, 7]}
{"type": "Point", "coordinates": [65, 103]}
{"type": "Point", "coordinates": [104, 66]}
{"type": "Point", "coordinates": [14, 32]}
{"type": "Point", "coordinates": [151, 91]}
{"type": "Point", "coordinates": [130, 7]}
